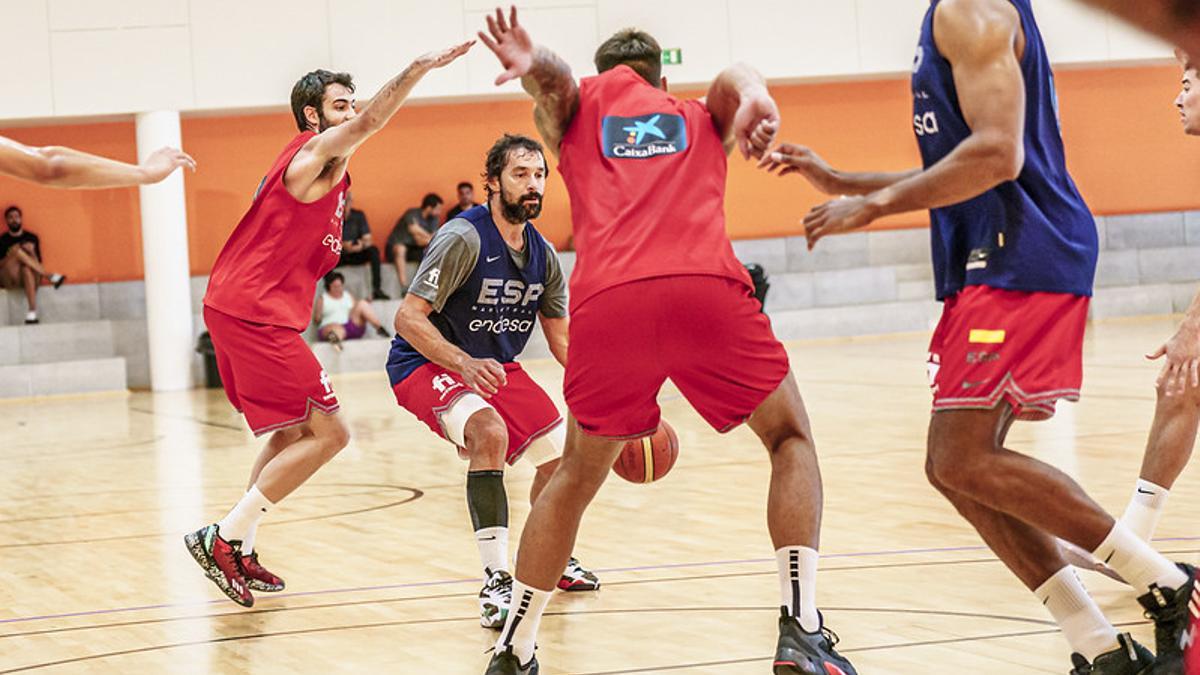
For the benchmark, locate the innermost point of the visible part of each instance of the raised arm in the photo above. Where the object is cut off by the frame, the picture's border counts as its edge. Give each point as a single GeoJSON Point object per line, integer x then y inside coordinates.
{"type": "Point", "coordinates": [544, 75]}
{"type": "Point", "coordinates": [1177, 21]}
{"type": "Point", "coordinates": [339, 142]}
{"type": "Point", "coordinates": [743, 111]}
{"type": "Point", "coordinates": [979, 38]}
{"type": "Point", "coordinates": [789, 158]}
{"type": "Point", "coordinates": [56, 166]}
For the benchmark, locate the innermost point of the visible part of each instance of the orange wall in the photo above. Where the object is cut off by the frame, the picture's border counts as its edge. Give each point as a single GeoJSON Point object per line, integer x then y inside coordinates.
{"type": "Point", "coordinates": [1124, 145]}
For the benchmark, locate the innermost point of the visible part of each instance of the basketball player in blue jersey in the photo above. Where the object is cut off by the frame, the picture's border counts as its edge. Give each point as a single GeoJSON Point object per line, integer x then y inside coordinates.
{"type": "Point", "coordinates": [1014, 253]}
{"type": "Point", "coordinates": [487, 276]}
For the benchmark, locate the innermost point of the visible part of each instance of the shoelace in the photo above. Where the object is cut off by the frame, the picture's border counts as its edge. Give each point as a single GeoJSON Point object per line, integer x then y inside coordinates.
{"type": "Point", "coordinates": [831, 638]}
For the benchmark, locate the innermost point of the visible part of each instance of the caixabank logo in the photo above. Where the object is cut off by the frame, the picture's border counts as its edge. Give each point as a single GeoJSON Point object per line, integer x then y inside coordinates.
{"type": "Point", "coordinates": [644, 136]}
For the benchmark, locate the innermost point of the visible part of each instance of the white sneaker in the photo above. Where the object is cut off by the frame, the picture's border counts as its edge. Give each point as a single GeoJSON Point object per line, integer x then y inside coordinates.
{"type": "Point", "coordinates": [494, 600]}
{"type": "Point", "coordinates": [1080, 558]}
{"type": "Point", "coordinates": [576, 577]}
{"type": "Point", "coordinates": [31, 317]}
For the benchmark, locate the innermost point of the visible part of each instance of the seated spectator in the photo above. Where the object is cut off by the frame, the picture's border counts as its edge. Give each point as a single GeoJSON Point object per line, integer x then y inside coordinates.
{"type": "Point", "coordinates": [357, 248]}
{"type": "Point", "coordinates": [466, 200]}
{"type": "Point", "coordinates": [21, 261]}
{"type": "Point", "coordinates": [339, 317]}
{"type": "Point", "coordinates": [412, 234]}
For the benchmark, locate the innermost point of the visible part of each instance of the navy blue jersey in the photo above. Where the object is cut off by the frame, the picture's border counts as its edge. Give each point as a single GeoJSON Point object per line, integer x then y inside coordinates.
{"type": "Point", "coordinates": [492, 314]}
{"type": "Point", "coordinates": [1032, 234]}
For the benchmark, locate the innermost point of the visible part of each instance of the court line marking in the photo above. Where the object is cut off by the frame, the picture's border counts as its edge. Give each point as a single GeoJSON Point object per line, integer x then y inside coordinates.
{"type": "Point", "coordinates": [447, 582]}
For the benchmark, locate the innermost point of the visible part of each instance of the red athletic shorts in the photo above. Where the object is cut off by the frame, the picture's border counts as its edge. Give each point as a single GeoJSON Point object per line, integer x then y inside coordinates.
{"type": "Point", "coordinates": [269, 373]}
{"type": "Point", "coordinates": [523, 405]}
{"type": "Point", "coordinates": [706, 333]}
{"type": "Point", "coordinates": [993, 345]}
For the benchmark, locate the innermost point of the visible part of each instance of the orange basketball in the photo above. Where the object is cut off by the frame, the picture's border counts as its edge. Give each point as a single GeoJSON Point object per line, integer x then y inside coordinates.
{"type": "Point", "coordinates": [645, 460]}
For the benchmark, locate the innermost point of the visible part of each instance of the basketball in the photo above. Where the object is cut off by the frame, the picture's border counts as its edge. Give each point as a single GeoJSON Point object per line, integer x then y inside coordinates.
{"type": "Point", "coordinates": [645, 460]}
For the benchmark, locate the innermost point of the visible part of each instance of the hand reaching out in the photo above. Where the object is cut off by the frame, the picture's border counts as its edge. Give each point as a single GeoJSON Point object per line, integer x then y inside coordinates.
{"type": "Point", "coordinates": [511, 44]}
{"type": "Point", "coordinates": [162, 162]}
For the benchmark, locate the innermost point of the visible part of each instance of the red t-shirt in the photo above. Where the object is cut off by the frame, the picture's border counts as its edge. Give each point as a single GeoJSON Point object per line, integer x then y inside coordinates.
{"type": "Point", "coordinates": [646, 176]}
{"type": "Point", "coordinates": [269, 268]}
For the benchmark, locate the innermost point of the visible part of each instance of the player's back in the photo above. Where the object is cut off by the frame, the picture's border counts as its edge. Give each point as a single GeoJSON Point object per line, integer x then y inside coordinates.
{"type": "Point", "coordinates": [267, 271]}
{"type": "Point", "coordinates": [646, 176]}
{"type": "Point", "coordinates": [1032, 234]}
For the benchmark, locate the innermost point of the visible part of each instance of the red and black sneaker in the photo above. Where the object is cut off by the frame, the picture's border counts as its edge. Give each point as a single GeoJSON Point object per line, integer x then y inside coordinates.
{"type": "Point", "coordinates": [802, 653]}
{"type": "Point", "coordinates": [258, 578]}
{"type": "Point", "coordinates": [219, 560]}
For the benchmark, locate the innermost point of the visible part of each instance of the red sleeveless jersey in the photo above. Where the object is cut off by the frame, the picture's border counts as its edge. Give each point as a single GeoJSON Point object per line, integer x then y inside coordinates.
{"type": "Point", "coordinates": [646, 176]}
{"type": "Point", "coordinates": [268, 271]}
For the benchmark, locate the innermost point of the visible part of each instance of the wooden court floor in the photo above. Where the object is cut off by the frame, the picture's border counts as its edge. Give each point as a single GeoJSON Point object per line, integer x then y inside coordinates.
{"type": "Point", "coordinates": [96, 493]}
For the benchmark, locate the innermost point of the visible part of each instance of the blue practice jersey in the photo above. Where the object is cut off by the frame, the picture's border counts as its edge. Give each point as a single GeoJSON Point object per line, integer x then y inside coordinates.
{"type": "Point", "coordinates": [1032, 234]}
{"type": "Point", "coordinates": [492, 314]}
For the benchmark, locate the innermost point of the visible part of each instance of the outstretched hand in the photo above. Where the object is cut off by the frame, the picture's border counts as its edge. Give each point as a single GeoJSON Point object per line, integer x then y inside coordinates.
{"type": "Point", "coordinates": [443, 57]}
{"type": "Point", "coordinates": [839, 215]}
{"type": "Point", "coordinates": [1181, 370]}
{"type": "Point", "coordinates": [163, 161]}
{"type": "Point", "coordinates": [511, 44]}
{"type": "Point", "coordinates": [791, 158]}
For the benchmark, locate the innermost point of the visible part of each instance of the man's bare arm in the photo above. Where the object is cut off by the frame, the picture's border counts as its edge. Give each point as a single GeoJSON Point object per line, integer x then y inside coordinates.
{"type": "Point", "coordinates": [338, 143]}
{"type": "Point", "coordinates": [544, 75]}
{"type": "Point", "coordinates": [419, 235]}
{"type": "Point", "coordinates": [56, 166]}
{"type": "Point", "coordinates": [412, 323]}
{"type": "Point", "coordinates": [555, 330]}
{"type": "Point", "coordinates": [743, 111]}
{"type": "Point", "coordinates": [1177, 21]}
{"type": "Point", "coordinates": [789, 158]}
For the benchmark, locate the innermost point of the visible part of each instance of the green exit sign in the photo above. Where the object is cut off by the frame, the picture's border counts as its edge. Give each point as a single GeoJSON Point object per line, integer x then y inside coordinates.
{"type": "Point", "coordinates": [672, 57]}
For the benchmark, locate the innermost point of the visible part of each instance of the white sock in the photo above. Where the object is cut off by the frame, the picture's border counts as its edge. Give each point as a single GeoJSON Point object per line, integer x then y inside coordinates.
{"type": "Point", "coordinates": [1082, 623]}
{"type": "Point", "coordinates": [798, 585]}
{"type": "Point", "coordinates": [31, 315]}
{"type": "Point", "coordinates": [1132, 558]}
{"type": "Point", "coordinates": [520, 630]}
{"type": "Point", "coordinates": [1145, 508]}
{"type": "Point", "coordinates": [493, 548]}
{"type": "Point", "coordinates": [248, 540]}
{"type": "Point", "coordinates": [245, 515]}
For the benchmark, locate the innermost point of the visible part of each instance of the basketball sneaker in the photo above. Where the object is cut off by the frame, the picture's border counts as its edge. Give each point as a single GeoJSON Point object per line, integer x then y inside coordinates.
{"type": "Point", "coordinates": [1189, 642]}
{"type": "Point", "coordinates": [1129, 658]}
{"type": "Point", "coordinates": [577, 578]}
{"type": "Point", "coordinates": [494, 599]}
{"type": "Point", "coordinates": [1168, 609]}
{"type": "Point", "coordinates": [258, 578]}
{"type": "Point", "coordinates": [219, 560]}
{"type": "Point", "coordinates": [799, 652]}
{"type": "Point", "coordinates": [507, 663]}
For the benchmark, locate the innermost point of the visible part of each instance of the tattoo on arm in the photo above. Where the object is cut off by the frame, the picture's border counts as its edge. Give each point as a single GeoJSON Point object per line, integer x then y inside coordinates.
{"type": "Point", "coordinates": [555, 92]}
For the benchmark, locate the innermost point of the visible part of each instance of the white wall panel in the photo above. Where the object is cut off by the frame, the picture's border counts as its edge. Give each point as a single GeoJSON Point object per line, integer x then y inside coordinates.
{"type": "Point", "coordinates": [569, 31]}
{"type": "Point", "coordinates": [252, 53]}
{"type": "Point", "coordinates": [698, 27]}
{"type": "Point", "coordinates": [491, 5]}
{"type": "Point", "coordinates": [1128, 43]}
{"type": "Point", "coordinates": [1072, 33]}
{"type": "Point", "coordinates": [92, 14]}
{"type": "Point", "coordinates": [377, 39]}
{"type": "Point", "coordinates": [887, 34]}
{"type": "Point", "coordinates": [795, 38]}
{"type": "Point", "coordinates": [27, 83]}
{"type": "Point", "coordinates": [100, 72]}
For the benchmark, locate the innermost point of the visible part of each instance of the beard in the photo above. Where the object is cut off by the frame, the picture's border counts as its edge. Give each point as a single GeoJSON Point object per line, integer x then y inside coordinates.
{"type": "Point", "coordinates": [528, 207]}
{"type": "Point", "coordinates": [14, 227]}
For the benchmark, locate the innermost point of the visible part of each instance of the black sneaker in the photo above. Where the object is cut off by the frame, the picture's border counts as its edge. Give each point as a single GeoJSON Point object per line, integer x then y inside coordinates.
{"type": "Point", "coordinates": [383, 332]}
{"type": "Point", "coordinates": [380, 295]}
{"type": "Point", "coordinates": [1168, 609]}
{"type": "Point", "coordinates": [1129, 658]}
{"type": "Point", "coordinates": [57, 280]}
{"type": "Point", "coordinates": [802, 653]}
{"type": "Point", "coordinates": [507, 663]}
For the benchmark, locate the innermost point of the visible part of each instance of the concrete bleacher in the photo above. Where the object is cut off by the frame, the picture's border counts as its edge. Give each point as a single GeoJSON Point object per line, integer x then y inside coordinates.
{"type": "Point", "coordinates": [93, 336]}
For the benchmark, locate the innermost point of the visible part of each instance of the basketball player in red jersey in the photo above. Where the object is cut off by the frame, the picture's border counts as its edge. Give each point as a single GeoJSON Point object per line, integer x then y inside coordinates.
{"type": "Point", "coordinates": [56, 166]}
{"type": "Point", "coordinates": [258, 303]}
{"type": "Point", "coordinates": [646, 177]}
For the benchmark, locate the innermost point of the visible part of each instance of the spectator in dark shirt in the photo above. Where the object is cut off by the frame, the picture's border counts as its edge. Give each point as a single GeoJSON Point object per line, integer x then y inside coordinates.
{"type": "Point", "coordinates": [21, 261]}
{"type": "Point", "coordinates": [466, 200]}
{"type": "Point", "coordinates": [412, 234]}
{"type": "Point", "coordinates": [357, 248]}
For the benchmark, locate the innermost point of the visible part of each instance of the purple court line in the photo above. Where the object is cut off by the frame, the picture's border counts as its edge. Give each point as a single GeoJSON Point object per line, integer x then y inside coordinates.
{"type": "Point", "coordinates": [421, 584]}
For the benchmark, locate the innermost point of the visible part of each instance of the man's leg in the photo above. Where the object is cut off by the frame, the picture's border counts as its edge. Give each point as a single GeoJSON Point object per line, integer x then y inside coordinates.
{"type": "Point", "coordinates": [794, 500]}
{"type": "Point", "coordinates": [485, 437]}
{"type": "Point", "coordinates": [29, 281]}
{"type": "Point", "coordinates": [275, 445]}
{"type": "Point", "coordinates": [399, 253]}
{"type": "Point", "coordinates": [1032, 555]}
{"type": "Point", "coordinates": [549, 534]}
{"type": "Point", "coordinates": [372, 256]}
{"type": "Point", "coordinates": [1168, 448]}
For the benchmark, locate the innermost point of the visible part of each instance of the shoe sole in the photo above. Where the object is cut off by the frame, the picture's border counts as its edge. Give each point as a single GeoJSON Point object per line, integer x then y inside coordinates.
{"type": "Point", "coordinates": [498, 625]}
{"type": "Point", "coordinates": [793, 668]}
{"type": "Point", "coordinates": [263, 587]}
{"type": "Point", "coordinates": [195, 546]}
